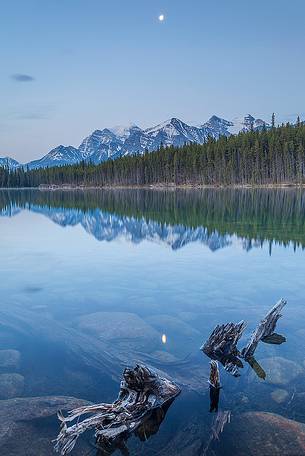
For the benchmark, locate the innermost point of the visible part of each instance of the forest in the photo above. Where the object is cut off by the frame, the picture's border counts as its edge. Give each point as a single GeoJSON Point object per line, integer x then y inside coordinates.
{"type": "Point", "coordinates": [272, 156]}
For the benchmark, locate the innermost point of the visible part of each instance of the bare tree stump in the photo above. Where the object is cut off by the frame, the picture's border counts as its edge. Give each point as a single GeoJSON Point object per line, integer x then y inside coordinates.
{"type": "Point", "coordinates": [222, 343]}
{"type": "Point", "coordinates": [222, 346]}
{"type": "Point", "coordinates": [142, 391]}
{"type": "Point", "coordinates": [265, 331]}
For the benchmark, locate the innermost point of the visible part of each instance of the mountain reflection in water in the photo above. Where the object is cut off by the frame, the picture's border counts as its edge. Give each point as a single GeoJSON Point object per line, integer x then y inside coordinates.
{"type": "Point", "coordinates": [173, 218]}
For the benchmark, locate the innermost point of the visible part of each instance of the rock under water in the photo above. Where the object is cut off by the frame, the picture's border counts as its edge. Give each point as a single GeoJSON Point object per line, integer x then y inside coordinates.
{"type": "Point", "coordinates": [263, 434]}
{"type": "Point", "coordinates": [11, 385]}
{"type": "Point", "coordinates": [280, 371]}
{"type": "Point", "coordinates": [9, 359]}
{"type": "Point", "coordinates": [22, 433]}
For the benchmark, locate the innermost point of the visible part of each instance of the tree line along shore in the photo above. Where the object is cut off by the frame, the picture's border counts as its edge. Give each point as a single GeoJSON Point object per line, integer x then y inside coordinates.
{"type": "Point", "coordinates": [270, 157]}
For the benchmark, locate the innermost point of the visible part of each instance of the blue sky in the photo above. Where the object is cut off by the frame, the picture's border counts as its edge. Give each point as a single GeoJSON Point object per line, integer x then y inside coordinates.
{"type": "Point", "coordinates": [71, 66]}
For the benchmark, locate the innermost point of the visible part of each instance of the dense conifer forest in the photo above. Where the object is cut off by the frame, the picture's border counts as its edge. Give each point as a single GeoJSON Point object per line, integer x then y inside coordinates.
{"type": "Point", "coordinates": [273, 156]}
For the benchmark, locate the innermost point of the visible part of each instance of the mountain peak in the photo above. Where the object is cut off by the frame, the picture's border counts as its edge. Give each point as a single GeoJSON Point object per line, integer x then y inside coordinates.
{"type": "Point", "coordinates": [247, 123]}
{"type": "Point", "coordinates": [124, 131]}
{"type": "Point", "coordinates": [111, 143]}
{"type": "Point", "coordinates": [9, 162]}
{"type": "Point", "coordinates": [215, 120]}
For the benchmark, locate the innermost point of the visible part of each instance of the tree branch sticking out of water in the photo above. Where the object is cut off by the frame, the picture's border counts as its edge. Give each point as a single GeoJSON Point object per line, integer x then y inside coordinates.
{"type": "Point", "coordinates": [265, 331]}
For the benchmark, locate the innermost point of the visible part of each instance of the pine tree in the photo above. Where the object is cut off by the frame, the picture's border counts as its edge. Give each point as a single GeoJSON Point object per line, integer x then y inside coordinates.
{"type": "Point", "coordinates": [274, 155]}
{"type": "Point", "coordinates": [273, 120]}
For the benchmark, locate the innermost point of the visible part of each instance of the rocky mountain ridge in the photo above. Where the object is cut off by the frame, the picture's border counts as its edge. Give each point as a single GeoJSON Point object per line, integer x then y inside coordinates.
{"type": "Point", "coordinates": [112, 143]}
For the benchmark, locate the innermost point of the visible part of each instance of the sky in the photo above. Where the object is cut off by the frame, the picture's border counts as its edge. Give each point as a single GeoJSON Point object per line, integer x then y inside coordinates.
{"type": "Point", "coordinates": [69, 67]}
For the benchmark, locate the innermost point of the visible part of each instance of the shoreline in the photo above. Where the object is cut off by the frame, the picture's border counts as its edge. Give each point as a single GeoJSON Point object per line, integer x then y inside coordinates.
{"type": "Point", "coordinates": [161, 187]}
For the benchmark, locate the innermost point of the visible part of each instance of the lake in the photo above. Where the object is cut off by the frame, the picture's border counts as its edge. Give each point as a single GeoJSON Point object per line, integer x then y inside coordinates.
{"type": "Point", "coordinates": [92, 281]}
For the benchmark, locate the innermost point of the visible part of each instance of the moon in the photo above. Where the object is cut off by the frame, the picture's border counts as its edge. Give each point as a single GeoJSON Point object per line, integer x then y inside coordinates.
{"type": "Point", "coordinates": [161, 17]}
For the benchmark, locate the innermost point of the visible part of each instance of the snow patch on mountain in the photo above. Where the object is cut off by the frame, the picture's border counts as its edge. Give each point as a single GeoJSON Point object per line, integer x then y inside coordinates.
{"type": "Point", "coordinates": [9, 162]}
{"type": "Point", "coordinates": [112, 143]}
{"type": "Point", "coordinates": [61, 155]}
{"type": "Point", "coordinates": [246, 123]}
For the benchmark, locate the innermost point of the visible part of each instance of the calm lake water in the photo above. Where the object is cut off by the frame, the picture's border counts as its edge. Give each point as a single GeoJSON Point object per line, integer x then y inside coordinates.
{"type": "Point", "coordinates": [91, 280]}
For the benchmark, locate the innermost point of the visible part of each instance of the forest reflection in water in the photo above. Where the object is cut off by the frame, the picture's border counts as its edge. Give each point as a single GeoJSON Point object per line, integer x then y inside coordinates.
{"type": "Point", "coordinates": [175, 218]}
{"type": "Point", "coordinates": [75, 311]}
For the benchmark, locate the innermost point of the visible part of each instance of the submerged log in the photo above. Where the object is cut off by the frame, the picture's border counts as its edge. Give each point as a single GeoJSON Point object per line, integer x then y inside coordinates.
{"type": "Point", "coordinates": [222, 346]}
{"type": "Point", "coordinates": [142, 391]}
{"type": "Point", "coordinates": [265, 331]}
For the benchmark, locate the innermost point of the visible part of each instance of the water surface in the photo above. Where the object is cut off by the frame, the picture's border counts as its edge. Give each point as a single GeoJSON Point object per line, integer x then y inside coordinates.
{"type": "Point", "coordinates": [91, 280]}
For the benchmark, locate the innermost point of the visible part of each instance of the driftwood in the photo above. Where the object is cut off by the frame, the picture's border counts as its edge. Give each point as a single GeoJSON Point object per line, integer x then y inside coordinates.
{"type": "Point", "coordinates": [142, 391]}
{"type": "Point", "coordinates": [215, 387]}
{"type": "Point", "coordinates": [214, 379]}
{"type": "Point", "coordinates": [150, 426]}
{"type": "Point", "coordinates": [222, 346]}
{"type": "Point", "coordinates": [222, 343]}
{"type": "Point", "coordinates": [265, 331]}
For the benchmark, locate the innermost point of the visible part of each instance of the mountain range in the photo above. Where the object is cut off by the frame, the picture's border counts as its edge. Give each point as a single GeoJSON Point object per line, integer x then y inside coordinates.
{"type": "Point", "coordinates": [112, 143]}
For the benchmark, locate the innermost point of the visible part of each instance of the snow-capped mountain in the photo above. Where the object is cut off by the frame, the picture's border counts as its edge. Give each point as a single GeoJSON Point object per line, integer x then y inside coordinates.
{"type": "Point", "coordinates": [9, 162]}
{"type": "Point", "coordinates": [245, 124]}
{"type": "Point", "coordinates": [123, 132]}
{"type": "Point", "coordinates": [61, 155]}
{"type": "Point", "coordinates": [112, 143]}
{"type": "Point", "coordinates": [216, 127]}
{"type": "Point", "coordinates": [100, 146]}
{"type": "Point", "coordinates": [174, 132]}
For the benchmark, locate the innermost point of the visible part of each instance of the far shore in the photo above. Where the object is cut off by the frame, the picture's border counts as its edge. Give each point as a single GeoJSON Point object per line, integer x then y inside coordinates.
{"type": "Point", "coordinates": [159, 187]}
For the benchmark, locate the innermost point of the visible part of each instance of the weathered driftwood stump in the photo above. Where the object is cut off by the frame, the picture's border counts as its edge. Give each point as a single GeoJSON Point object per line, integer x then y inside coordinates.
{"type": "Point", "coordinates": [222, 343]}
{"type": "Point", "coordinates": [214, 379]}
{"type": "Point", "coordinates": [142, 391]}
{"type": "Point", "coordinates": [215, 387]}
{"type": "Point", "coordinates": [150, 426]}
{"type": "Point", "coordinates": [265, 331]}
{"type": "Point", "coordinates": [222, 346]}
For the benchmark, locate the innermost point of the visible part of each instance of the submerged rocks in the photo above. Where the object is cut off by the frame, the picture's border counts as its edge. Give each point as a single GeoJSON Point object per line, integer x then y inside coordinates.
{"type": "Point", "coordinates": [19, 432]}
{"type": "Point", "coordinates": [163, 357]}
{"type": "Point", "coordinates": [9, 359]}
{"type": "Point", "coordinates": [263, 434]}
{"type": "Point", "coordinates": [280, 371]}
{"type": "Point", "coordinates": [11, 385]}
{"type": "Point", "coordinates": [181, 338]}
{"type": "Point", "coordinates": [30, 408]}
{"type": "Point", "coordinates": [172, 325]}
{"type": "Point", "coordinates": [280, 395]}
{"type": "Point", "coordinates": [128, 330]}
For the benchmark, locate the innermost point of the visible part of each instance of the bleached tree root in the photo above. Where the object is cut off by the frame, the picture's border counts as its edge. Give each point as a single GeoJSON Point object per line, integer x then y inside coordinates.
{"type": "Point", "coordinates": [142, 391]}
